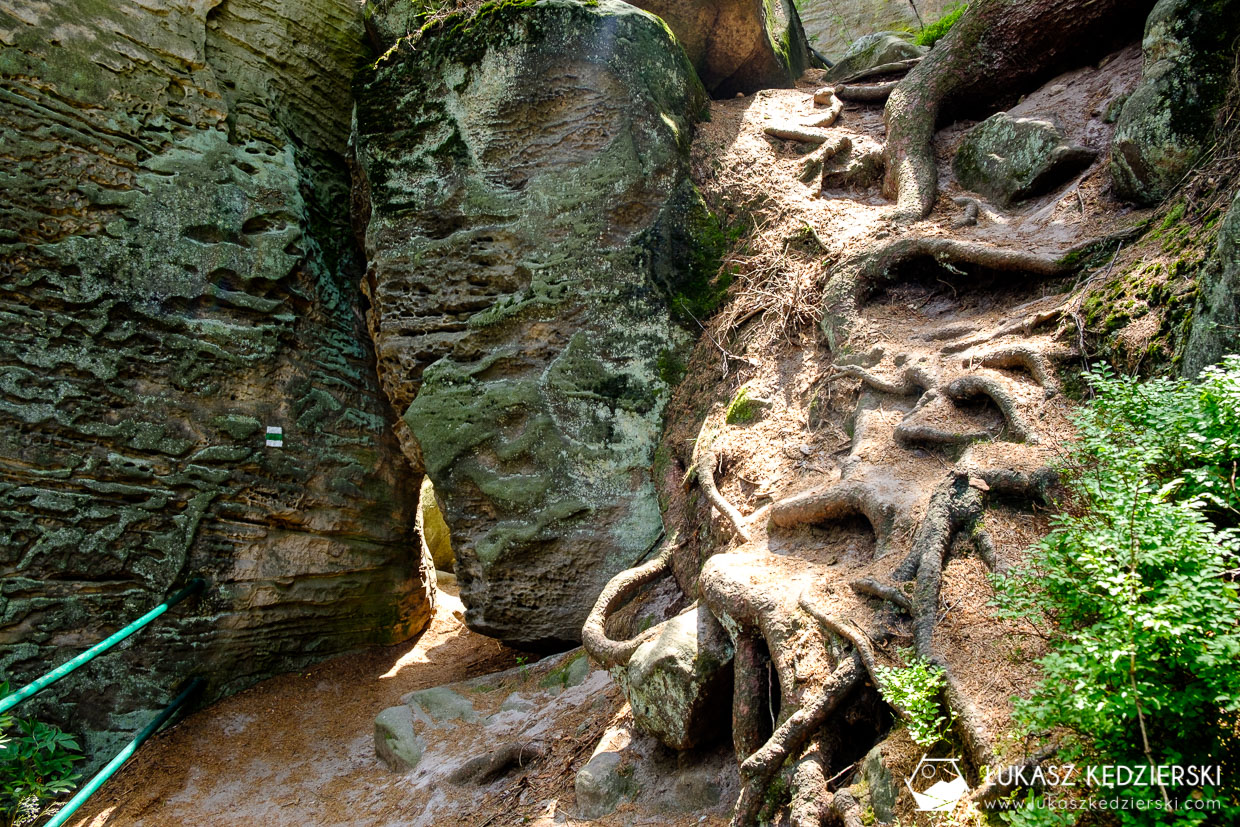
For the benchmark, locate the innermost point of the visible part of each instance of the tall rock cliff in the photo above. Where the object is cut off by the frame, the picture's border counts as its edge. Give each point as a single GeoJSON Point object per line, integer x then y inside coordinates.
{"type": "Point", "coordinates": [529, 227]}
{"type": "Point", "coordinates": [177, 275]}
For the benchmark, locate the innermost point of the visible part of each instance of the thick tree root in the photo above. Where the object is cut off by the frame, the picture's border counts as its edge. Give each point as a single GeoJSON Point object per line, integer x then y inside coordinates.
{"type": "Point", "coordinates": [866, 92]}
{"type": "Point", "coordinates": [811, 169]}
{"type": "Point", "coordinates": [971, 210]}
{"type": "Point", "coordinates": [618, 591]}
{"type": "Point", "coordinates": [790, 739]}
{"type": "Point", "coordinates": [997, 47]}
{"type": "Point", "coordinates": [704, 463]}
{"type": "Point", "coordinates": [827, 97]}
{"type": "Point", "coordinates": [794, 132]}
{"type": "Point", "coordinates": [809, 786]}
{"type": "Point", "coordinates": [486, 768]}
{"type": "Point", "coordinates": [873, 588]}
{"type": "Point", "coordinates": [844, 499]}
{"type": "Point", "coordinates": [1036, 363]}
{"type": "Point", "coordinates": [859, 643]}
{"type": "Point", "coordinates": [974, 385]}
{"type": "Point", "coordinates": [847, 809]}
{"type": "Point", "coordinates": [882, 69]}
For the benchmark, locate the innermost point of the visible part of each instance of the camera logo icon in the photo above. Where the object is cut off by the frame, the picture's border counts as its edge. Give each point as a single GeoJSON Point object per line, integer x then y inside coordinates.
{"type": "Point", "coordinates": [942, 784]}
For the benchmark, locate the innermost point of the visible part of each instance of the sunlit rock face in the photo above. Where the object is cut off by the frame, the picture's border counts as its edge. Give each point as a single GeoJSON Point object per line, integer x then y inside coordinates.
{"type": "Point", "coordinates": [178, 275]}
{"type": "Point", "coordinates": [529, 227]}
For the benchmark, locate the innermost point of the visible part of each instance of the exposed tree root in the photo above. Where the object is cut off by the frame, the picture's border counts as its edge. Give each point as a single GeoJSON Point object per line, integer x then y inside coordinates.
{"type": "Point", "coordinates": [618, 591]}
{"type": "Point", "coordinates": [1036, 362]}
{"type": "Point", "coordinates": [861, 170]}
{"type": "Point", "coordinates": [873, 588]}
{"type": "Point", "coordinates": [790, 738]}
{"type": "Point", "coordinates": [794, 132]}
{"type": "Point", "coordinates": [704, 463]}
{"type": "Point", "coordinates": [975, 385]}
{"type": "Point", "coordinates": [866, 92]}
{"type": "Point", "coordinates": [841, 500]}
{"type": "Point", "coordinates": [486, 768]}
{"type": "Point", "coordinates": [847, 809]}
{"type": "Point", "coordinates": [809, 786]}
{"type": "Point", "coordinates": [859, 643]}
{"type": "Point", "coordinates": [811, 169]}
{"type": "Point", "coordinates": [971, 210]}
{"type": "Point", "coordinates": [882, 69]}
{"type": "Point", "coordinates": [997, 47]}
{"type": "Point", "coordinates": [827, 97]}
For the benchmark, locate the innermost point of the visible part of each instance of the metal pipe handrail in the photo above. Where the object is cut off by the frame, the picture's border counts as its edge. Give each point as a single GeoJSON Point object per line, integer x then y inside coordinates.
{"type": "Point", "coordinates": [99, 648]}
{"type": "Point", "coordinates": [101, 777]}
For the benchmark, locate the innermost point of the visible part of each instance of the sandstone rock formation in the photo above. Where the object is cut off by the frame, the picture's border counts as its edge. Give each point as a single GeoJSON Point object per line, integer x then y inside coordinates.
{"type": "Point", "coordinates": [1010, 159]}
{"type": "Point", "coordinates": [737, 45]}
{"type": "Point", "coordinates": [1168, 120]}
{"type": "Point", "coordinates": [831, 25]}
{"type": "Point", "coordinates": [1216, 318]}
{"type": "Point", "coordinates": [872, 51]}
{"type": "Point", "coordinates": [177, 277]}
{"type": "Point", "coordinates": [680, 682]}
{"type": "Point", "coordinates": [528, 222]}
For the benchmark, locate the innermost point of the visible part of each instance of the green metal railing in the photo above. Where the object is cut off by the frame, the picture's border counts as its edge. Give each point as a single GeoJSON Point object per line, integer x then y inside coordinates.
{"type": "Point", "coordinates": [92, 786]}
{"type": "Point", "coordinates": [195, 586]}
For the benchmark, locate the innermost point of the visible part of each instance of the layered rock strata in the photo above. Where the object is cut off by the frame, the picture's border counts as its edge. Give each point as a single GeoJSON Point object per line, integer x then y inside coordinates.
{"type": "Point", "coordinates": [178, 281]}
{"type": "Point", "coordinates": [533, 240]}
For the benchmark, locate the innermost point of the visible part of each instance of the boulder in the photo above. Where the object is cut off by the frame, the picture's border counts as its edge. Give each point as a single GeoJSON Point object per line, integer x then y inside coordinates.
{"type": "Point", "coordinates": [536, 252]}
{"type": "Point", "coordinates": [602, 784]}
{"type": "Point", "coordinates": [1216, 318]}
{"type": "Point", "coordinates": [679, 684]}
{"type": "Point", "coordinates": [440, 705]}
{"type": "Point", "coordinates": [396, 743]}
{"type": "Point", "coordinates": [1169, 118]}
{"type": "Point", "coordinates": [737, 45]}
{"type": "Point", "coordinates": [1010, 159]}
{"type": "Point", "coordinates": [873, 50]}
{"type": "Point", "coordinates": [179, 278]}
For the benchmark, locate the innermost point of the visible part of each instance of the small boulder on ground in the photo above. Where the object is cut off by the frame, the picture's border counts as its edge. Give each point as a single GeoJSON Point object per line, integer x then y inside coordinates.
{"type": "Point", "coordinates": [396, 743]}
{"type": "Point", "coordinates": [680, 683]}
{"type": "Point", "coordinates": [602, 783]}
{"type": "Point", "coordinates": [874, 50]}
{"type": "Point", "coordinates": [1169, 118]}
{"type": "Point", "coordinates": [1009, 159]}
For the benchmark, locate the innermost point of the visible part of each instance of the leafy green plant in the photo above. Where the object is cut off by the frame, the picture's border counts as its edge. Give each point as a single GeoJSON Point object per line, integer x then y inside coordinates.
{"type": "Point", "coordinates": [741, 409]}
{"type": "Point", "coordinates": [915, 688]}
{"type": "Point", "coordinates": [1132, 590]}
{"type": "Point", "coordinates": [933, 32]}
{"type": "Point", "coordinates": [36, 766]}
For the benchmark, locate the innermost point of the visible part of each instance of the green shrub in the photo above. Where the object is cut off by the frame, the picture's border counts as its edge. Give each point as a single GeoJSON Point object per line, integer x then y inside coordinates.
{"type": "Point", "coordinates": [1131, 588]}
{"type": "Point", "coordinates": [36, 766]}
{"type": "Point", "coordinates": [915, 688]}
{"type": "Point", "coordinates": [934, 32]}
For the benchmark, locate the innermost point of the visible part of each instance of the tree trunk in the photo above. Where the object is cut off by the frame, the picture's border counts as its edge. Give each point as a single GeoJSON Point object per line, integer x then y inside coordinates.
{"type": "Point", "coordinates": [997, 47]}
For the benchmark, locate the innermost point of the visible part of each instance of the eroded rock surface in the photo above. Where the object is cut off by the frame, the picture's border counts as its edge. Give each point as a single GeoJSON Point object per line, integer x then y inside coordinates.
{"type": "Point", "coordinates": [1010, 159]}
{"type": "Point", "coordinates": [680, 683]}
{"type": "Point", "coordinates": [737, 45]}
{"type": "Point", "coordinates": [529, 223]}
{"type": "Point", "coordinates": [177, 277]}
{"type": "Point", "coordinates": [1216, 318]}
{"type": "Point", "coordinates": [874, 50]}
{"type": "Point", "coordinates": [1168, 120]}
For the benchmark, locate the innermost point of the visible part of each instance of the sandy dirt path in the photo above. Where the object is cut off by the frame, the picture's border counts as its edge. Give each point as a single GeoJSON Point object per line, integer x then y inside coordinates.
{"type": "Point", "coordinates": [297, 749]}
